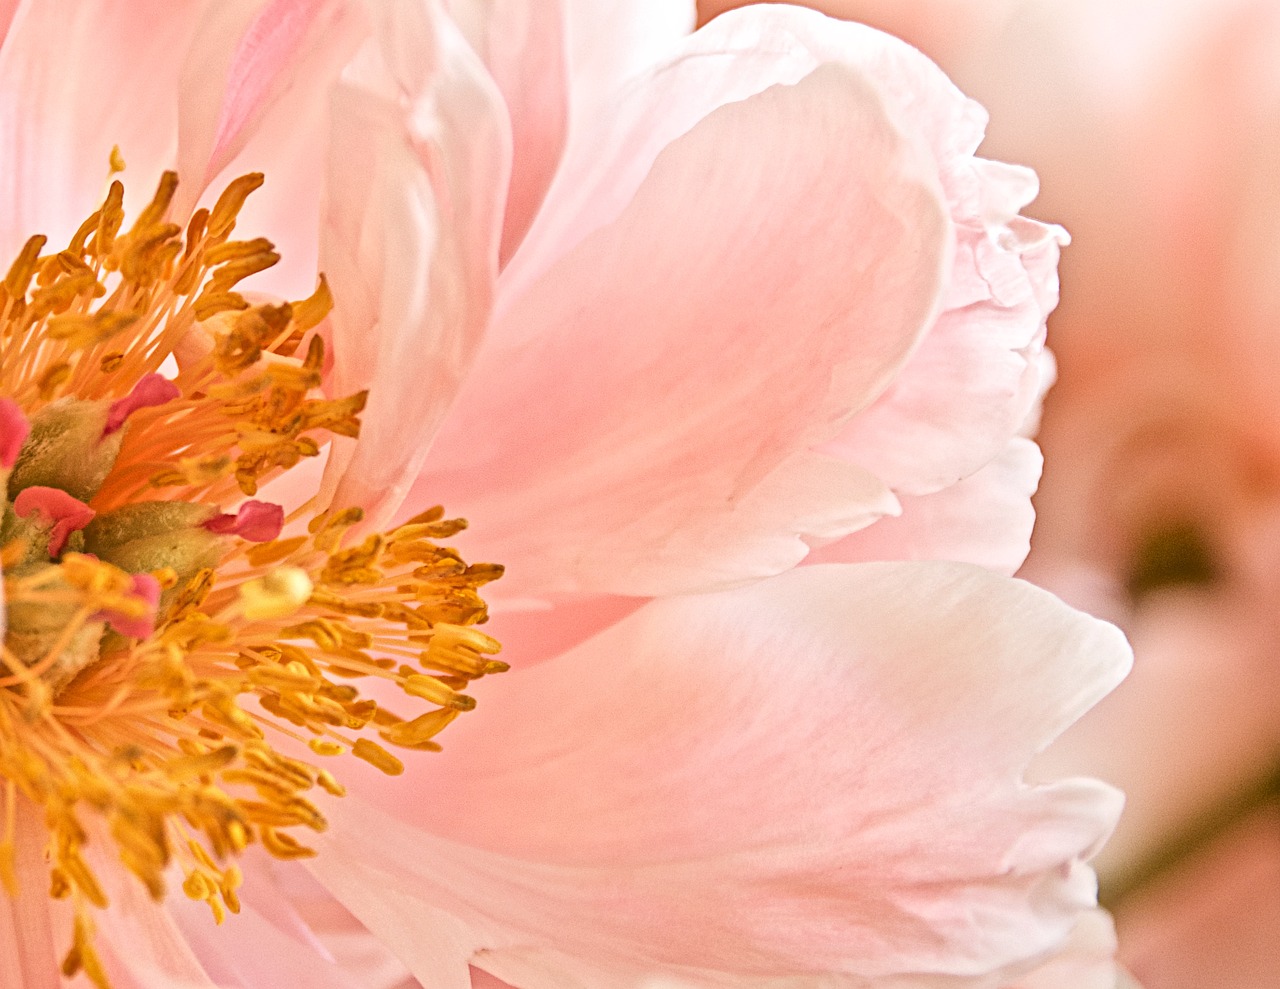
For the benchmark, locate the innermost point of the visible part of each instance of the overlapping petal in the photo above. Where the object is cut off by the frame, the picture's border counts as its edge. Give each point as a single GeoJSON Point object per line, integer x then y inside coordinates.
{"type": "Point", "coordinates": [288, 932]}
{"type": "Point", "coordinates": [612, 41]}
{"type": "Point", "coordinates": [617, 447]}
{"type": "Point", "coordinates": [664, 756]}
{"type": "Point", "coordinates": [245, 59]}
{"type": "Point", "coordinates": [522, 43]}
{"type": "Point", "coordinates": [985, 518]}
{"type": "Point", "coordinates": [977, 375]}
{"type": "Point", "coordinates": [69, 93]}
{"type": "Point", "coordinates": [254, 98]}
{"type": "Point", "coordinates": [625, 127]}
{"type": "Point", "coordinates": [28, 955]}
{"type": "Point", "coordinates": [7, 9]}
{"type": "Point", "coordinates": [641, 312]}
{"type": "Point", "coordinates": [1087, 961]}
{"type": "Point", "coordinates": [420, 153]}
{"type": "Point", "coordinates": [979, 372]}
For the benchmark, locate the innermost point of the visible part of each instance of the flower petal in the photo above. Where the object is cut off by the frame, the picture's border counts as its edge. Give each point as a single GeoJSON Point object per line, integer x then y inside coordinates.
{"type": "Point", "coordinates": [283, 937]}
{"type": "Point", "coordinates": [620, 130]}
{"type": "Point", "coordinates": [978, 374]}
{"type": "Point", "coordinates": [481, 979]}
{"type": "Point", "coordinates": [245, 57]}
{"type": "Point", "coordinates": [522, 43]}
{"type": "Point", "coordinates": [28, 955]}
{"type": "Point", "coordinates": [418, 167]}
{"type": "Point", "coordinates": [1210, 725]}
{"type": "Point", "coordinates": [984, 519]}
{"type": "Point", "coordinates": [255, 98]}
{"type": "Point", "coordinates": [7, 9]}
{"type": "Point", "coordinates": [819, 773]}
{"type": "Point", "coordinates": [1088, 960]}
{"type": "Point", "coordinates": [59, 121]}
{"type": "Point", "coordinates": [681, 361]}
{"type": "Point", "coordinates": [140, 945]}
{"type": "Point", "coordinates": [613, 40]}
{"type": "Point", "coordinates": [432, 943]}
{"type": "Point", "coordinates": [930, 25]}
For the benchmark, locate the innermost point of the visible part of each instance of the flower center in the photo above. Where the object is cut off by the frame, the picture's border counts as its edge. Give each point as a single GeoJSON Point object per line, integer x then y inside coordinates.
{"type": "Point", "coordinates": [162, 656]}
{"type": "Point", "coordinates": [1172, 554]}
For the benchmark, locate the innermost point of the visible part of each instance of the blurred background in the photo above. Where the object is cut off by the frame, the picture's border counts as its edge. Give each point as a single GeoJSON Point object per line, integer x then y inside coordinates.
{"type": "Point", "coordinates": [1155, 128]}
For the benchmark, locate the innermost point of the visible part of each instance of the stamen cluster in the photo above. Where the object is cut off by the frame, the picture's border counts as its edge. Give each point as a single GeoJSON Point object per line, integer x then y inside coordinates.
{"type": "Point", "coordinates": [170, 669]}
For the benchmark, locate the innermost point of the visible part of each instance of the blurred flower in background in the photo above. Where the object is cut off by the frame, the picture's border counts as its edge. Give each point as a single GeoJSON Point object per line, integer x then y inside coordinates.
{"type": "Point", "coordinates": [1155, 130]}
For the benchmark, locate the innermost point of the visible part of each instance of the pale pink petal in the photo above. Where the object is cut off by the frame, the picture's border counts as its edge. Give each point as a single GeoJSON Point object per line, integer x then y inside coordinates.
{"type": "Point", "coordinates": [1194, 725]}
{"type": "Point", "coordinates": [1047, 375]}
{"type": "Point", "coordinates": [616, 138]}
{"type": "Point", "coordinates": [140, 944]}
{"type": "Point", "coordinates": [642, 419]}
{"type": "Point", "coordinates": [280, 57]}
{"type": "Point", "coordinates": [431, 942]}
{"type": "Point", "coordinates": [481, 979]}
{"type": "Point", "coordinates": [1087, 962]}
{"type": "Point", "coordinates": [984, 519]}
{"type": "Point", "coordinates": [245, 56]}
{"type": "Point", "coordinates": [522, 43]}
{"type": "Point", "coordinates": [533, 631]}
{"type": "Point", "coordinates": [418, 165]}
{"type": "Point", "coordinates": [932, 25]}
{"type": "Point", "coordinates": [610, 41]}
{"type": "Point", "coordinates": [735, 57]}
{"type": "Point", "coordinates": [75, 79]}
{"type": "Point", "coordinates": [816, 774]}
{"type": "Point", "coordinates": [255, 98]}
{"type": "Point", "coordinates": [978, 373]}
{"type": "Point", "coordinates": [348, 944]}
{"type": "Point", "coordinates": [29, 956]}
{"type": "Point", "coordinates": [7, 9]}
{"type": "Point", "coordinates": [278, 940]}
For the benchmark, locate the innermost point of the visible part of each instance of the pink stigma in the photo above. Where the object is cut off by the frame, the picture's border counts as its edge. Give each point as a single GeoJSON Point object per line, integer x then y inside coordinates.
{"type": "Point", "coordinates": [257, 521]}
{"type": "Point", "coordinates": [147, 589]}
{"type": "Point", "coordinates": [14, 428]}
{"type": "Point", "coordinates": [54, 505]}
{"type": "Point", "coordinates": [151, 390]}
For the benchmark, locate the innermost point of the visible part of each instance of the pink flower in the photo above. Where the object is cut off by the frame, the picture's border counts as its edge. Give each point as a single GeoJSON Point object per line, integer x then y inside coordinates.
{"type": "Point", "coordinates": [660, 313]}
{"type": "Point", "coordinates": [1213, 917]}
{"type": "Point", "coordinates": [1163, 512]}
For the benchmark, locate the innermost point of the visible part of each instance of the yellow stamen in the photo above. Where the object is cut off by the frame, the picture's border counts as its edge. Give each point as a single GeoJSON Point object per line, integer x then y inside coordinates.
{"type": "Point", "coordinates": [121, 682]}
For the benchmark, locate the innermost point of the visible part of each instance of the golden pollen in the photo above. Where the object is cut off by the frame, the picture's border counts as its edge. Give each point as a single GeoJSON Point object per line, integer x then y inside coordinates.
{"type": "Point", "coordinates": [162, 655]}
